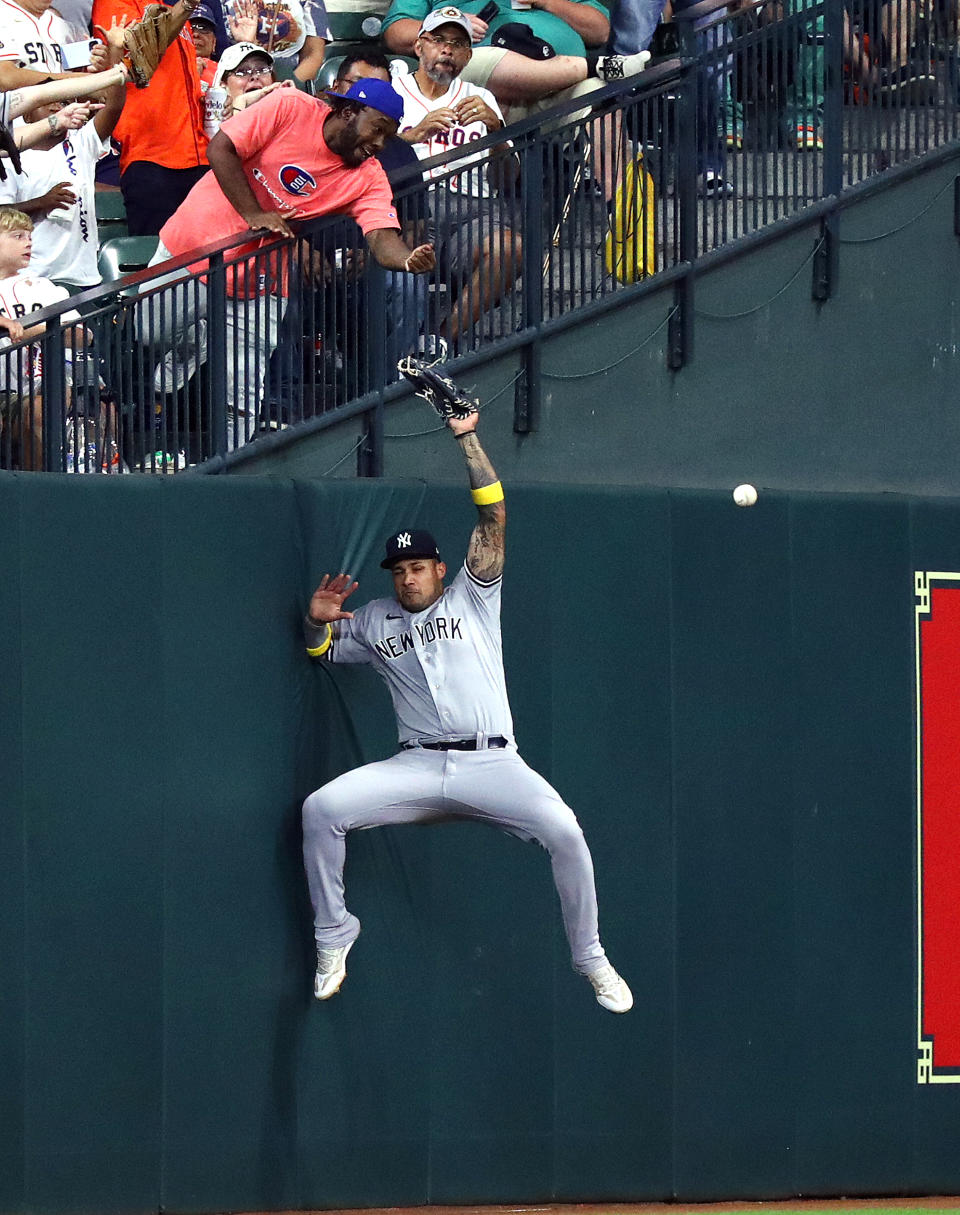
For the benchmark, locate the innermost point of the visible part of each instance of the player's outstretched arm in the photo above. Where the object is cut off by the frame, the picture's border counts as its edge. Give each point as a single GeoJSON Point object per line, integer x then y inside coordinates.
{"type": "Point", "coordinates": [486, 551]}
{"type": "Point", "coordinates": [326, 603]}
{"type": "Point", "coordinates": [326, 608]}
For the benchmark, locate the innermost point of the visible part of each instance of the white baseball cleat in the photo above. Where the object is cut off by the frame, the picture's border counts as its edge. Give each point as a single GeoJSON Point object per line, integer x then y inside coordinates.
{"type": "Point", "coordinates": [612, 993]}
{"type": "Point", "coordinates": [331, 971]}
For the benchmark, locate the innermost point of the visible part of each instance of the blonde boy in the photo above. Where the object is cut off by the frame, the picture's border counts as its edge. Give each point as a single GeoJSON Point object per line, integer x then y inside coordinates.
{"type": "Point", "coordinates": [21, 370]}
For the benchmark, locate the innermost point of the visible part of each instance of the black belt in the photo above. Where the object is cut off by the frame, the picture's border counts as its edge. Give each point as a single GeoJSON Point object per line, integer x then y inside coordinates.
{"type": "Point", "coordinates": [458, 744]}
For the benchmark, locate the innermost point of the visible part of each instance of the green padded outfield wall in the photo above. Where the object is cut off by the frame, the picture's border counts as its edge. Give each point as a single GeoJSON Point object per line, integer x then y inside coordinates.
{"type": "Point", "coordinates": [727, 698]}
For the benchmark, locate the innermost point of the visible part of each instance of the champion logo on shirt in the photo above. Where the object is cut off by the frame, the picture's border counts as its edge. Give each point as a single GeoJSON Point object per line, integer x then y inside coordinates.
{"type": "Point", "coordinates": [296, 180]}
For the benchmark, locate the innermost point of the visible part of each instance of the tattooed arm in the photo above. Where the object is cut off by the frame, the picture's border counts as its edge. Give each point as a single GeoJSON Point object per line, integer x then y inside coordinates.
{"type": "Point", "coordinates": [486, 551]}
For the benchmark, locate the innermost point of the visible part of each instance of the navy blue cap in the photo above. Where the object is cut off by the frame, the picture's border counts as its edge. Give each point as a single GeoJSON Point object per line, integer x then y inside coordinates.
{"type": "Point", "coordinates": [204, 12]}
{"type": "Point", "coordinates": [377, 94]}
{"type": "Point", "coordinates": [407, 545]}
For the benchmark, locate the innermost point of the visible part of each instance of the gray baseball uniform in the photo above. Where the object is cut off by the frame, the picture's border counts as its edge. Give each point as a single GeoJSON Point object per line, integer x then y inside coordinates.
{"type": "Point", "coordinates": [444, 669]}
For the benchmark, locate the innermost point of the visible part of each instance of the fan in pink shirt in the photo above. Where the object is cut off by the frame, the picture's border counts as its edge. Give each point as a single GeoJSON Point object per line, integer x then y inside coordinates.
{"type": "Point", "coordinates": [292, 157]}
{"type": "Point", "coordinates": [288, 157]}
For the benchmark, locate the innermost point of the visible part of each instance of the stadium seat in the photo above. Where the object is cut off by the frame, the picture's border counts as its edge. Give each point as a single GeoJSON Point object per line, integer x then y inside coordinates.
{"type": "Point", "coordinates": [111, 214]}
{"type": "Point", "coordinates": [354, 27]}
{"type": "Point", "coordinates": [124, 255]}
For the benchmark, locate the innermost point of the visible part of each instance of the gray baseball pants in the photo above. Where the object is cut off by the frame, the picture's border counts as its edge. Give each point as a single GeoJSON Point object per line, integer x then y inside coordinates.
{"type": "Point", "coordinates": [421, 786]}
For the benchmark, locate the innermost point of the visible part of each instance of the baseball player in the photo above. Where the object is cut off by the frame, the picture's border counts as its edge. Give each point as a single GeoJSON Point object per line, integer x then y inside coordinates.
{"type": "Point", "coordinates": [438, 649]}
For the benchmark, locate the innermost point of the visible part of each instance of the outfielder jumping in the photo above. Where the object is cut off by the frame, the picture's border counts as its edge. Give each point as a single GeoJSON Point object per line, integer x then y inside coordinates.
{"type": "Point", "coordinates": [439, 651]}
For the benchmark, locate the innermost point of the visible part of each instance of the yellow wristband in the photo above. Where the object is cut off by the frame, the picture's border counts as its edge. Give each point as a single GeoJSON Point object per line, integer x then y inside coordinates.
{"type": "Point", "coordinates": [321, 649]}
{"type": "Point", "coordinates": [487, 494]}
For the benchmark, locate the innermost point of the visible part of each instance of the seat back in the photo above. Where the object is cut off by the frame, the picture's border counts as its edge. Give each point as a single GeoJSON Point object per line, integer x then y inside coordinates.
{"type": "Point", "coordinates": [111, 214]}
{"type": "Point", "coordinates": [125, 254]}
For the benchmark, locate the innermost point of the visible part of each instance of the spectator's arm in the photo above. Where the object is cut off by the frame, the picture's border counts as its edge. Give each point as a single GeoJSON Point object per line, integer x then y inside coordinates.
{"type": "Point", "coordinates": [228, 169]}
{"type": "Point", "coordinates": [590, 23]}
{"type": "Point", "coordinates": [401, 35]}
{"type": "Point", "coordinates": [402, 25]}
{"type": "Point", "coordinates": [49, 132]}
{"type": "Point", "coordinates": [311, 58]}
{"type": "Point", "coordinates": [387, 246]}
{"type": "Point", "coordinates": [61, 195]}
{"type": "Point", "coordinates": [114, 98]}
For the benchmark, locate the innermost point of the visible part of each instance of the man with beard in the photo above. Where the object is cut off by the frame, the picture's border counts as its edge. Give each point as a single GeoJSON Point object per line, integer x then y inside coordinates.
{"type": "Point", "coordinates": [477, 247]}
{"type": "Point", "coordinates": [289, 157]}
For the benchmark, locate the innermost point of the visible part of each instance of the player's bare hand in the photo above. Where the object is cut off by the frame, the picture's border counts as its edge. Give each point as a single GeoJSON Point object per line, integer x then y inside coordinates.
{"type": "Point", "coordinates": [272, 221]}
{"type": "Point", "coordinates": [421, 260]}
{"type": "Point", "coordinates": [326, 603]}
{"type": "Point", "coordinates": [464, 426]}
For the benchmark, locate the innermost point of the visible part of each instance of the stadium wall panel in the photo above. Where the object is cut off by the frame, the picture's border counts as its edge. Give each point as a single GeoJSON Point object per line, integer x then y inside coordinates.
{"type": "Point", "coordinates": [726, 698]}
{"type": "Point", "coordinates": [854, 393]}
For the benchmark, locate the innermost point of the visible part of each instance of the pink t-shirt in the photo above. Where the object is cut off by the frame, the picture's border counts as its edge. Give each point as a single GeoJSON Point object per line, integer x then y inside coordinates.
{"type": "Point", "coordinates": [288, 164]}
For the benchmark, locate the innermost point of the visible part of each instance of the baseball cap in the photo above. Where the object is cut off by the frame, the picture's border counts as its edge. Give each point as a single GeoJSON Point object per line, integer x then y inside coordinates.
{"type": "Point", "coordinates": [377, 94]}
{"type": "Point", "coordinates": [408, 544]}
{"type": "Point", "coordinates": [448, 15]}
{"type": "Point", "coordinates": [515, 36]}
{"type": "Point", "coordinates": [203, 12]}
{"type": "Point", "coordinates": [234, 55]}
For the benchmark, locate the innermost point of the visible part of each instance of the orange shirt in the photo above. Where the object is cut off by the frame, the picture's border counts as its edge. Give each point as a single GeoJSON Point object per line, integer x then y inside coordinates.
{"type": "Point", "coordinates": [288, 164]}
{"type": "Point", "coordinates": [162, 123]}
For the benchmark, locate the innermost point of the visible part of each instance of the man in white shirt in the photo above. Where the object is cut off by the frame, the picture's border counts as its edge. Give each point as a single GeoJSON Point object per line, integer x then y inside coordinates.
{"type": "Point", "coordinates": [34, 34]}
{"type": "Point", "coordinates": [57, 190]}
{"type": "Point", "coordinates": [477, 247]}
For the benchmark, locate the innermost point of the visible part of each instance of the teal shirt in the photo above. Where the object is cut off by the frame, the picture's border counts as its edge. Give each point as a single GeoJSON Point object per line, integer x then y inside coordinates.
{"type": "Point", "coordinates": [563, 39]}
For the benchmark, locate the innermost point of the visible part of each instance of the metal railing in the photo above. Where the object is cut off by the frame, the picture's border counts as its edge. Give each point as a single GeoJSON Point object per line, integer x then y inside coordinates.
{"type": "Point", "coordinates": [750, 117]}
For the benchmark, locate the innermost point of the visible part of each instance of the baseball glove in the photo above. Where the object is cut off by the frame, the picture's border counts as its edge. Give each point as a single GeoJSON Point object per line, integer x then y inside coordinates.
{"type": "Point", "coordinates": [147, 39]}
{"type": "Point", "coordinates": [437, 390]}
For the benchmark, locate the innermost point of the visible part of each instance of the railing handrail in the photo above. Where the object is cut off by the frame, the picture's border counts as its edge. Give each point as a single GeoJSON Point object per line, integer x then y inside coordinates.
{"type": "Point", "coordinates": [651, 120]}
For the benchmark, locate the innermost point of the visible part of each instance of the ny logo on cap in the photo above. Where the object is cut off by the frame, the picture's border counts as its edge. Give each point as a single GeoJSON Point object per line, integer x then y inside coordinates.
{"type": "Point", "coordinates": [404, 540]}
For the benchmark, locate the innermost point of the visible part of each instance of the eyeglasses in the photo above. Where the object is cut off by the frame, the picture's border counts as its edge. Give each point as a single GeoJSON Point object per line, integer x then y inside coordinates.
{"type": "Point", "coordinates": [452, 44]}
{"type": "Point", "coordinates": [249, 72]}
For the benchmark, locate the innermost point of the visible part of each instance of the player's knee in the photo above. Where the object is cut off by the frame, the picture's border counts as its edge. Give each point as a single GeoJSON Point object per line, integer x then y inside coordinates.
{"type": "Point", "coordinates": [319, 811]}
{"type": "Point", "coordinates": [566, 836]}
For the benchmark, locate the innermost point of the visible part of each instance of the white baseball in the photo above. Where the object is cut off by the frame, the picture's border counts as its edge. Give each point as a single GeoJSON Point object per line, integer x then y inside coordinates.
{"type": "Point", "coordinates": [745, 495]}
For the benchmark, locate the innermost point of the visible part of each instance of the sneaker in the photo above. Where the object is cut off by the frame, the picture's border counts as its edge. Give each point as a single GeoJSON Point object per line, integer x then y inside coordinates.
{"type": "Point", "coordinates": [165, 461]}
{"type": "Point", "coordinates": [612, 993]}
{"type": "Point", "coordinates": [431, 348]}
{"type": "Point", "coordinates": [910, 84]}
{"type": "Point", "coordinates": [714, 185]}
{"type": "Point", "coordinates": [331, 971]}
{"type": "Point", "coordinates": [619, 67]}
{"type": "Point", "coordinates": [808, 139]}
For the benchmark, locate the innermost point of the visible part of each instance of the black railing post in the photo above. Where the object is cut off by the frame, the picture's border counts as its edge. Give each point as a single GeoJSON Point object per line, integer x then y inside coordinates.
{"type": "Point", "coordinates": [825, 260]}
{"type": "Point", "coordinates": [833, 97]}
{"type": "Point", "coordinates": [217, 348]}
{"type": "Point", "coordinates": [374, 337]}
{"type": "Point", "coordinates": [680, 329]}
{"type": "Point", "coordinates": [534, 172]}
{"type": "Point", "coordinates": [53, 406]}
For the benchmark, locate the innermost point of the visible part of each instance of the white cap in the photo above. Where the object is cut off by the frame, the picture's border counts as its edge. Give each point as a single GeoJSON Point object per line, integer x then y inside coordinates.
{"type": "Point", "coordinates": [234, 55]}
{"type": "Point", "coordinates": [448, 15]}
